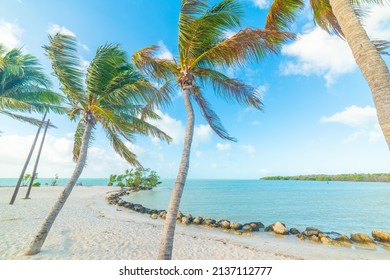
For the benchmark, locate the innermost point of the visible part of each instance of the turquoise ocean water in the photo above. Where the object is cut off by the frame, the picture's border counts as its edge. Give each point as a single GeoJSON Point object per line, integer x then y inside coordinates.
{"type": "Point", "coordinates": [344, 207]}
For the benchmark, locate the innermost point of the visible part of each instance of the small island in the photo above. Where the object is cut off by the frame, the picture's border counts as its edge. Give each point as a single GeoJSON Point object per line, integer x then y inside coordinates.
{"type": "Point", "coordinates": [356, 177]}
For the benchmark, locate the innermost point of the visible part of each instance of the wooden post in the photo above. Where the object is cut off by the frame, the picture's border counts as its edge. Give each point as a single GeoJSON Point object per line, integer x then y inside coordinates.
{"type": "Point", "coordinates": [37, 161]}
{"type": "Point", "coordinates": [26, 163]}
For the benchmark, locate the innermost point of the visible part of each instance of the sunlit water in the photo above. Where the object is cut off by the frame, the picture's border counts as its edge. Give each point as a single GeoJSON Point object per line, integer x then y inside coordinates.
{"type": "Point", "coordinates": [344, 207]}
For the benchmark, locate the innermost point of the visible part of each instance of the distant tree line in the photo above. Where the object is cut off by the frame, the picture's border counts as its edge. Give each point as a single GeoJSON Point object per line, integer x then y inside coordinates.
{"type": "Point", "coordinates": [356, 177]}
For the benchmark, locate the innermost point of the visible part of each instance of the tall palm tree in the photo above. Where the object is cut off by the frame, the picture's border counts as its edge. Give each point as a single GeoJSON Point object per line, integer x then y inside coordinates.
{"type": "Point", "coordinates": [204, 49]}
{"type": "Point", "coordinates": [113, 95]}
{"type": "Point", "coordinates": [24, 87]}
{"type": "Point", "coordinates": [342, 18]}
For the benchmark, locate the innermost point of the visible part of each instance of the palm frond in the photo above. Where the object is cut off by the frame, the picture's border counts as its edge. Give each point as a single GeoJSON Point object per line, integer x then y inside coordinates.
{"type": "Point", "coordinates": [209, 28]}
{"type": "Point", "coordinates": [382, 46]}
{"type": "Point", "coordinates": [7, 103]}
{"type": "Point", "coordinates": [282, 14]}
{"type": "Point", "coordinates": [29, 120]}
{"type": "Point", "coordinates": [108, 63]}
{"type": "Point", "coordinates": [324, 17]}
{"type": "Point", "coordinates": [62, 51]}
{"type": "Point", "coordinates": [210, 116]}
{"type": "Point", "coordinates": [160, 69]}
{"type": "Point", "coordinates": [247, 44]}
{"type": "Point", "coordinates": [121, 149]}
{"type": "Point", "coordinates": [230, 88]}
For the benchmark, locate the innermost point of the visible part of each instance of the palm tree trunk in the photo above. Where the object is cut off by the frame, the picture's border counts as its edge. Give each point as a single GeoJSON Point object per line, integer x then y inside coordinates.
{"type": "Point", "coordinates": [36, 245]}
{"type": "Point", "coordinates": [37, 161]}
{"type": "Point", "coordinates": [27, 162]}
{"type": "Point", "coordinates": [166, 245]}
{"type": "Point", "coordinates": [368, 59]}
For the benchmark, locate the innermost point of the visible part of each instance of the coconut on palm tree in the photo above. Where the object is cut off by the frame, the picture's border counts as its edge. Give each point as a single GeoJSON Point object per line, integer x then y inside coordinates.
{"type": "Point", "coordinates": [113, 95]}
{"type": "Point", "coordinates": [24, 88]}
{"type": "Point", "coordinates": [203, 50]}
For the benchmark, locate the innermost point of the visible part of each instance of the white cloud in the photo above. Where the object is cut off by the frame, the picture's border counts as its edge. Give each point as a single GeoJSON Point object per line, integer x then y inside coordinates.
{"type": "Point", "coordinates": [202, 133]}
{"type": "Point", "coordinates": [138, 150]}
{"type": "Point", "coordinates": [363, 119]}
{"type": "Point", "coordinates": [262, 4]}
{"type": "Point", "coordinates": [316, 52]}
{"type": "Point", "coordinates": [55, 28]}
{"type": "Point", "coordinates": [377, 23]}
{"type": "Point", "coordinates": [353, 116]}
{"type": "Point", "coordinates": [170, 126]}
{"type": "Point", "coordinates": [249, 149]}
{"type": "Point", "coordinates": [10, 34]}
{"type": "Point", "coordinates": [223, 148]}
{"type": "Point", "coordinates": [84, 47]}
{"type": "Point", "coordinates": [164, 52]}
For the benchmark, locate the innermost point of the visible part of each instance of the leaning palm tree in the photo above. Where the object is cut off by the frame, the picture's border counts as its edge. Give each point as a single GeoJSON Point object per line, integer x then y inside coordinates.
{"type": "Point", "coordinates": [24, 88]}
{"type": "Point", "coordinates": [203, 50]}
{"type": "Point", "coordinates": [113, 96]}
{"type": "Point", "coordinates": [341, 17]}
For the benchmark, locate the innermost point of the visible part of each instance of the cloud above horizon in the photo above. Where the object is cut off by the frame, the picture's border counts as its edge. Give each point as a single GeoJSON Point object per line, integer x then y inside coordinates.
{"type": "Point", "coordinates": [11, 34]}
{"type": "Point", "coordinates": [363, 119]}
{"type": "Point", "coordinates": [316, 52]}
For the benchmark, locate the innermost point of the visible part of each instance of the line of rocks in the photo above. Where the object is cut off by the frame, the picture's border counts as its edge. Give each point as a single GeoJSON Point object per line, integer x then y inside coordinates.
{"type": "Point", "coordinates": [380, 237]}
{"type": "Point", "coordinates": [237, 228]}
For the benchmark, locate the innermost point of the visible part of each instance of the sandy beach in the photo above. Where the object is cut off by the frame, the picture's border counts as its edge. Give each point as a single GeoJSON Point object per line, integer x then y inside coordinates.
{"type": "Point", "coordinates": [90, 229]}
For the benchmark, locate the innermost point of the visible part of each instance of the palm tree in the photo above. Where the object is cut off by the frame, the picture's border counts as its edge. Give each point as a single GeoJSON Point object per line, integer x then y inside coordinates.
{"type": "Point", "coordinates": [204, 49]}
{"type": "Point", "coordinates": [113, 96]}
{"type": "Point", "coordinates": [342, 18]}
{"type": "Point", "coordinates": [24, 87]}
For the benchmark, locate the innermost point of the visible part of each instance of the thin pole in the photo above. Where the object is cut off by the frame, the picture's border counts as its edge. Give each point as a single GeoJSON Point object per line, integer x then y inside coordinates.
{"type": "Point", "coordinates": [37, 161]}
{"type": "Point", "coordinates": [26, 163]}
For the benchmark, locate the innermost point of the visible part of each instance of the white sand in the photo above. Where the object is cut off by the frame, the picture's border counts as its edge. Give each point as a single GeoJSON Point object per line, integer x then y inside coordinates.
{"type": "Point", "coordinates": [89, 228]}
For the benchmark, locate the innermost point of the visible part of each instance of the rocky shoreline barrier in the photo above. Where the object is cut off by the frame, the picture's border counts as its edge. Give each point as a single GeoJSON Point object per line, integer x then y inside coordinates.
{"type": "Point", "coordinates": [379, 238]}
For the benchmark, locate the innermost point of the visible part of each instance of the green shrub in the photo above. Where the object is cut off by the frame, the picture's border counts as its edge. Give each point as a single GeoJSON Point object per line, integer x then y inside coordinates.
{"type": "Point", "coordinates": [138, 179]}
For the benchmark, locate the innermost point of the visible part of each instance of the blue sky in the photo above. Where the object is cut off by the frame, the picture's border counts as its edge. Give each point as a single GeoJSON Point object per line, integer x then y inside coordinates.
{"type": "Point", "coordinates": [318, 116]}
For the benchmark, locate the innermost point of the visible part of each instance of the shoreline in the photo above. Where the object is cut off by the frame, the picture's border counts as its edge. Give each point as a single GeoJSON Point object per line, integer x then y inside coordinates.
{"type": "Point", "coordinates": [89, 228]}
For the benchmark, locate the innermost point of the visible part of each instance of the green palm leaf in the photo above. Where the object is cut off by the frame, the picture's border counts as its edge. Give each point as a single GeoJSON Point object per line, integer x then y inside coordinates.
{"type": "Point", "coordinates": [282, 14]}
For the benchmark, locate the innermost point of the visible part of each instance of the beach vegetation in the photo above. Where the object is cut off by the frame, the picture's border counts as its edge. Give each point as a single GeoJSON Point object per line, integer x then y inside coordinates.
{"type": "Point", "coordinates": [356, 177]}
{"type": "Point", "coordinates": [110, 93]}
{"type": "Point", "coordinates": [136, 179]}
{"type": "Point", "coordinates": [205, 53]}
{"type": "Point", "coordinates": [54, 181]}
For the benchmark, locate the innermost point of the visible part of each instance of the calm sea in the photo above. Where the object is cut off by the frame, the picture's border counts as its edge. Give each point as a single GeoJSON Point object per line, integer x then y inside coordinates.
{"type": "Point", "coordinates": [344, 207]}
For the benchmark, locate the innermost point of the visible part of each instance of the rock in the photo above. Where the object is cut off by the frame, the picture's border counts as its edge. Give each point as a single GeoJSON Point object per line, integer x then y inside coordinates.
{"type": "Point", "coordinates": [333, 234]}
{"type": "Point", "coordinates": [235, 226]}
{"type": "Point", "coordinates": [197, 220]}
{"type": "Point", "coordinates": [310, 233]}
{"type": "Point", "coordinates": [256, 226]}
{"type": "Point", "coordinates": [294, 231]}
{"type": "Point", "coordinates": [280, 228]}
{"type": "Point", "coordinates": [314, 238]}
{"type": "Point", "coordinates": [247, 228]}
{"type": "Point", "coordinates": [185, 220]}
{"type": "Point", "coordinates": [163, 214]}
{"type": "Point", "coordinates": [225, 224]}
{"type": "Point", "coordinates": [121, 202]}
{"type": "Point", "coordinates": [320, 235]}
{"type": "Point", "coordinates": [154, 216]}
{"type": "Point", "coordinates": [189, 217]}
{"type": "Point", "coordinates": [381, 236]}
{"type": "Point", "coordinates": [326, 240]}
{"type": "Point", "coordinates": [300, 236]}
{"type": "Point", "coordinates": [313, 229]}
{"type": "Point", "coordinates": [269, 228]}
{"type": "Point", "coordinates": [210, 222]}
{"type": "Point", "coordinates": [179, 215]}
{"type": "Point", "coordinates": [362, 238]}
{"type": "Point", "coordinates": [343, 240]}
{"type": "Point", "coordinates": [154, 211]}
